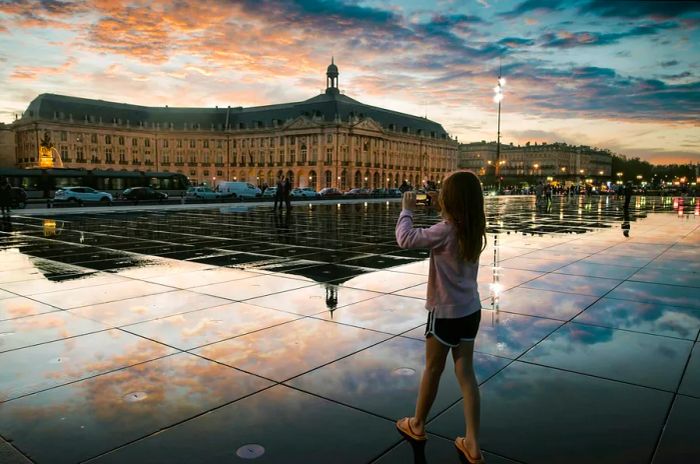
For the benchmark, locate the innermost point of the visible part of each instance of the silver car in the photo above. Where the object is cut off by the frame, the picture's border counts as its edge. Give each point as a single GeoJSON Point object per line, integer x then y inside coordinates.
{"type": "Point", "coordinates": [82, 195]}
{"type": "Point", "coordinates": [203, 193]}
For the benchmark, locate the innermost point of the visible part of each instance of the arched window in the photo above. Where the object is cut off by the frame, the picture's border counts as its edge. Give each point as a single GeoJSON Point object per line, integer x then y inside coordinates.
{"type": "Point", "coordinates": [358, 180]}
{"type": "Point", "coordinates": [328, 179]}
{"type": "Point", "coordinates": [121, 140]}
{"type": "Point", "coordinates": [377, 183]}
{"type": "Point", "coordinates": [313, 179]}
{"type": "Point", "coordinates": [343, 180]}
{"type": "Point", "coordinates": [108, 140]}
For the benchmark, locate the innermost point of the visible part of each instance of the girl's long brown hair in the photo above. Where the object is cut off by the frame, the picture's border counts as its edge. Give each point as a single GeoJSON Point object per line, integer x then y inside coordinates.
{"type": "Point", "coordinates": [462, 203]}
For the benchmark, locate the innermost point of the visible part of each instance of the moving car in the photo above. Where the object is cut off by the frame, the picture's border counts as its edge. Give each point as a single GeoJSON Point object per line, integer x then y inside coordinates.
{"type": "Point", "coordinates": [202, 193]}
{"type": "Point", "coordinates": [143, 193]}
{"type": "Point", "coordinates": [82, 195]}
{"type": "Point", "coordinates": [304, 192]}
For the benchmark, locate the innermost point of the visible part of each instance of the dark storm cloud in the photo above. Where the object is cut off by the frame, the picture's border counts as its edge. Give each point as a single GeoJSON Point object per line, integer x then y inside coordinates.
{"type": "Point", "coordinates": [533, 5]}
{"type": "Point", "coordinates": [578, 39]}
{"type": "Point", "coordinates": [639, 9]}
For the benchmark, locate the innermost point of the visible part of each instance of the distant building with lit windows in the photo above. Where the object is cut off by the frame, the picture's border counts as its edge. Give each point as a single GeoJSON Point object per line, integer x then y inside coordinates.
{"type": "Point", "coordinates": [556, 160]}
{"type": "Point", "coordinates": [329, 140]}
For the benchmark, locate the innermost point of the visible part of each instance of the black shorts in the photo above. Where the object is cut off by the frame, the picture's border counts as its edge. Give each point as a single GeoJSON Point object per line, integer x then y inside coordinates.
{"type": "Point", "coordinates": [452, 331]}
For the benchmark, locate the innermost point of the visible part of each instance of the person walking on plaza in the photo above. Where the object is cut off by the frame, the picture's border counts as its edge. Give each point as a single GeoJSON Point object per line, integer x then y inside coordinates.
{"type": "Point", "coordinates": [286, 193]}
{"type": "Point", "coordinates": [5, 196]}
{"type": "Point", "coordinates": [404, 187]}
{"type": "Point", "coordinates": [628, 196]}
{"type": "Point", "coordinates": [278, 193]}
{"type": "Point", "coordinates": [453, 304]}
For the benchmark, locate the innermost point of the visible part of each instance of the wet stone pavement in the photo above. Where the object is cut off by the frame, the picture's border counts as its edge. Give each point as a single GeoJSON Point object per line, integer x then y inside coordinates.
{"type": "Point", "coordinates": [235, 334]}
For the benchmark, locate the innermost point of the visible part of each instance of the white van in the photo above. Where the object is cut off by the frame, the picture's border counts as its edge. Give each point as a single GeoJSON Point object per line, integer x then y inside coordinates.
{"type": "Point", "coordinates": [238, 190]}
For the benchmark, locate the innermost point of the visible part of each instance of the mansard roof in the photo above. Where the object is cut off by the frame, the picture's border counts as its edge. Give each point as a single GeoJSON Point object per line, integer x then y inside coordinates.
{"type": "Point", "coordinates": [326, 107]}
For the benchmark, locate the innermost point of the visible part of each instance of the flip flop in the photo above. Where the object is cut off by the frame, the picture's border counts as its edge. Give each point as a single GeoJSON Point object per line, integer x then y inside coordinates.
{"type": "Point", "coordinates": [404, 426]}
{"type": "Point", "coordinates": [462, 450]}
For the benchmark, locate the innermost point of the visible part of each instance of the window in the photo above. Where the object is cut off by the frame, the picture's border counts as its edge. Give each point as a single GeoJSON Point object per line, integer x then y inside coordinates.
{"type": "Point", "coordinates": [147, 143]}
{"type": "Point", "coordinates": [93, 138]}
{"type": "Point", "coordinates": [219, 158]}
{"type": "Point", "coordinates": [219, 144]}
{"type": "Point", "coordinates": [108, 155]}
{"type": "Point", "coordinates": [166, 157]}
{"type": "Point", "coordinates": [179, 143]}
{"type": "Point", "coordinates": [121, 140]}
{"type": "Point", "coordinates": [303, 154]}
{"type": "Point", "coordinates": [64, 152]}
{"type": "Point", "coordinates": [165, 143]}
{"type": "Point", "coordinates": [178, 158]}
{"type": "Point", "coordinates": [134, 142]}
{"type": "Point", "coordinates": [108, 140]}
{"type": "Point", "coordinates": [329, 138]}
{"type": "Point", "coordinates": [292, 156]}
{"type": "Point", "coordinates": [64, 136]}
{"type": "Point", "coordinates": [122, 155]}
{"type": "Point", "coordinates": [219, 173]}
{"type": "Point", "coordinates": [329, 155]}
{"type": "Point", "coordinates": [206, 144]}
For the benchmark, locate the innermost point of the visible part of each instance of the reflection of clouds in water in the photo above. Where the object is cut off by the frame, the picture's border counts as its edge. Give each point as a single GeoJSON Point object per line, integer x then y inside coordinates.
{"type": "Point", "coordinates": [511, 334]}
{"type": "Point", "coordinates": [283, 351]}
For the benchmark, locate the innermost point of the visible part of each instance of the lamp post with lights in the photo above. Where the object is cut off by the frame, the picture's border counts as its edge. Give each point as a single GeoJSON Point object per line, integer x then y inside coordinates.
{"type": "Point", "coordinates": [498, 97]}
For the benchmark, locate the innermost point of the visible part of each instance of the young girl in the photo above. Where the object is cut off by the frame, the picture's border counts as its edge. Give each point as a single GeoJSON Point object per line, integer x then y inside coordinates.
{"type": "Point", "coordinates": [454, 308]}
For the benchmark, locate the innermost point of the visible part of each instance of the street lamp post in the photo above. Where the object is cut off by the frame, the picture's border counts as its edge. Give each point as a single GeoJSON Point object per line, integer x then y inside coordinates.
{"type": "Point", "coordinates": [498, 97]}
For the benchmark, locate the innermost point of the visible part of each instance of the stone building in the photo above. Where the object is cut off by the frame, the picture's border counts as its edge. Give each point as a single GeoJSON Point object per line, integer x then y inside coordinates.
{"type": "Point", "coordinates": [556, 160]}
{"type": "Point", "coordinates": [7, 146]}
{"type": "Point", "coordinates": [330, 140]}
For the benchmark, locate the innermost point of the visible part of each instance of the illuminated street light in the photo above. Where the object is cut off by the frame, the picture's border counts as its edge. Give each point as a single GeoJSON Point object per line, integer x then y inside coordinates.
{"type": "Point", "coordinates": [497, 98]}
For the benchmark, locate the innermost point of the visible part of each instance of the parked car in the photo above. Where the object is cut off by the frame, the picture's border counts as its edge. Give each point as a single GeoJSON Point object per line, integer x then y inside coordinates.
{"type": "Point", "coordinates": [238, 190]}
{"type": "Point", "coordinates": [270, 192]}
{"type": "Point", "coordinates": [202, 193]}
{"type": "Point", "coordinates": [304, 192]}
{"type": "Point", "coordinates": [82, 195]}
{"type": "Point", "coordinates": [353, 192]}
{"type": "Point", "coordinates": [18, 198]}
{"type": "Point", "coordinates": [330, 192]}
{"type": "Point", "coordinates": [395, 193]}
{"type": "Point", "coordinates": [380, 192]}
{"type": "Point", "coordinates": [143, 193]}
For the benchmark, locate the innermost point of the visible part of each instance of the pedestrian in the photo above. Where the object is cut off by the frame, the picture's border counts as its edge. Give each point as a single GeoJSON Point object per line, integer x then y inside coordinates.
{"type": "Point", "coordinates": [286, 193]}
{"type": "Point", "coordinates": [5, 196]}
{"type": "Point", "coordinates": [404, 187]}
{"type": "Point", "coordinates": [279, 193]}
{"type": "Point", "coordinates": [453, 303]}
{"type": "Point", "coordinates": [628, 196]}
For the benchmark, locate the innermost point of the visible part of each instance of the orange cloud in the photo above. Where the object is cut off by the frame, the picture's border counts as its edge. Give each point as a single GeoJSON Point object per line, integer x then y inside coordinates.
{"type": "Point", "coordinates": [34, 72]}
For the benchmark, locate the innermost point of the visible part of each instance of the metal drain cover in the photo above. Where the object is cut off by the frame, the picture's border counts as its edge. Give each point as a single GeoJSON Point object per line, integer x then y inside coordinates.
{"type": "Point", "coordinates": [404, 371]}
{"type": "Point", "coordinates": [134, 397]}
{"type": "Point", "coordinates": [250, 451]}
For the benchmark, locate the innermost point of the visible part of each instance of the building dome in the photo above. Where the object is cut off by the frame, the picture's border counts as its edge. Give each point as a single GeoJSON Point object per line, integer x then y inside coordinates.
{"type": "Point", "coordinates": [332, 70]}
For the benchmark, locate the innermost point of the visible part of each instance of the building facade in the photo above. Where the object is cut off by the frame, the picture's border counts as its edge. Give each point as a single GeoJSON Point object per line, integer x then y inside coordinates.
{"type": "Point", "coordinates": [329, 140]}
{"type": "Point", "coordinates": [7, 146]}
{"type": "Point", "coordinates": [556, 160]}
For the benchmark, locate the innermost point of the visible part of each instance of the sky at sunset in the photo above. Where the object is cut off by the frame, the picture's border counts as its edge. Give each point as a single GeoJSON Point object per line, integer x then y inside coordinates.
{"type": "Point", "coordinates": [622, 75]}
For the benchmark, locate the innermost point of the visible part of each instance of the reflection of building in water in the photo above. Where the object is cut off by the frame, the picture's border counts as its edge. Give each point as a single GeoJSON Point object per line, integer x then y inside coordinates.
{"type": "Point", "coordinates": [329, 140]}
{"type": "Point", "coordinates": [557, 160]}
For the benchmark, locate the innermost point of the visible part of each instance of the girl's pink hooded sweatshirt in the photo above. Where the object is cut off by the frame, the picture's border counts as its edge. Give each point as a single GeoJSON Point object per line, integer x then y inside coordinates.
{"type": "Point", "coordinates": [452, 287]}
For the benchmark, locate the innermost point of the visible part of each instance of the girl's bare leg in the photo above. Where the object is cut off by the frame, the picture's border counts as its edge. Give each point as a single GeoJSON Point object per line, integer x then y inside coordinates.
{"type": "Point", "coordinates": [464, 369]}
{"type": "Point", "coordinates": [435, 356]}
